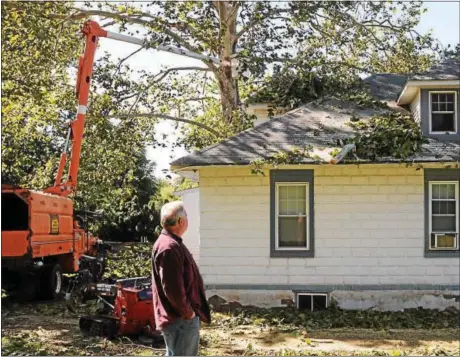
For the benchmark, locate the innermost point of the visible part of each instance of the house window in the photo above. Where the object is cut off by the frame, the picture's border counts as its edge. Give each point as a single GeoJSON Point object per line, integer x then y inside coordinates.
{"type": "Point", "coordinates": [442, 212]}
{"type": "Point", "coordinates": [291, 216]}
{"type": "Point", "coordinates": [443, 112]}
{"type": "Point", "coordinates": [444, 215]}
{"type": "Point", "coordinates": [312, 302]}
{"type": "Point", "coordinates": [291, 213]}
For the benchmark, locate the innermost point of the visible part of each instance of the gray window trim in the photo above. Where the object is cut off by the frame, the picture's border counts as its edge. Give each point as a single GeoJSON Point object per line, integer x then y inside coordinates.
{"type": "Point", "coordinates": [437, 175]}
{"type": "Point", "coordinates": [301, 176]}
{"type": "Point", "coordinates": [425, 116]}
{"type": "Point", "coordinates": [430, 112]}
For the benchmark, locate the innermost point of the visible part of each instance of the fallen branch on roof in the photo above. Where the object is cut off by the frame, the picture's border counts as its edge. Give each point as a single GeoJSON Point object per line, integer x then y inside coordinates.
{"type": "Point", "coordinates": [394, 134]}
{"type": "Point", "coordinates": [345, 150]}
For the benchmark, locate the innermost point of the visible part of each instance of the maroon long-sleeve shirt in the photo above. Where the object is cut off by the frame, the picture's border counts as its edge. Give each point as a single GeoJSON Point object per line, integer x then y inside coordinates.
{"type": "Point", "coordinates": [177, 285]}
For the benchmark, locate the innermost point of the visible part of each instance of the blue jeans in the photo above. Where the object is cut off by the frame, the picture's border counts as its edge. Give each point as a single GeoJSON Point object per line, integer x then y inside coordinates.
{"type": "Point", "coordinates": [182, 337]}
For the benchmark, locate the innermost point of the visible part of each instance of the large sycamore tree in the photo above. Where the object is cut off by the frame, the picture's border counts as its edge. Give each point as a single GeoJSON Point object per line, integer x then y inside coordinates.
{"type": "Point", "coordinates": [335, 39]}
{"type": "Point", "coordinates": [315, 44]}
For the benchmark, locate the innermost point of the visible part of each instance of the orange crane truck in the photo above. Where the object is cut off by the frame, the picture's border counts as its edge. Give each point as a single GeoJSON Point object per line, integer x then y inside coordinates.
{"type": "Point", "coordinates": [41, 237]}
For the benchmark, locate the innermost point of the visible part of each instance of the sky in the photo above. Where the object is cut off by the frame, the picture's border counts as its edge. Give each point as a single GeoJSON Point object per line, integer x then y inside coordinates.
{"type": "Point", "coordinates": [442, 18]}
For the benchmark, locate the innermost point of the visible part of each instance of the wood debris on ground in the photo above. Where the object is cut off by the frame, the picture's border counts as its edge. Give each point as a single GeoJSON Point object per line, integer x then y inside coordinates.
{"type": "Point", "coordinates": [49, 329]}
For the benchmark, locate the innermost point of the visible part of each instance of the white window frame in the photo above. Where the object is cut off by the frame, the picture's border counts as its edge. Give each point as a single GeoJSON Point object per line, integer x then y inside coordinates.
{"type": "Point", "coordinates": [311, 297]}
{"type": "Point", "coordinates": [443, 112]}
{"type": "Point", "coordinates": [430, 216]}
{"type": "Point", "coordinates": [307, 215]}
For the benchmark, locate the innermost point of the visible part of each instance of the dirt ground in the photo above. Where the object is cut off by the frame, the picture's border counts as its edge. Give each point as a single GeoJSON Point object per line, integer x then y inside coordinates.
{"type": "Point", "coordinates": [49, 329]}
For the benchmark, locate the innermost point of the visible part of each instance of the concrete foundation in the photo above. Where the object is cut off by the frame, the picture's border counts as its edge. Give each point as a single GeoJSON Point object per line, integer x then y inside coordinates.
{"type": "Point", "coordinates": [395, 300]}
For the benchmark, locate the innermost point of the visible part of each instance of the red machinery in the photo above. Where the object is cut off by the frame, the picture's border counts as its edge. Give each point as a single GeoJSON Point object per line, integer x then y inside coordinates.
{"type": "Point", "coordinates": [128, 312]}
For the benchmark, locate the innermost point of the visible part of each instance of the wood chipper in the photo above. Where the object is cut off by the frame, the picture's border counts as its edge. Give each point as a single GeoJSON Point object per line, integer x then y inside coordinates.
{"type": "Point", "coordinates": [41, 238]}
{"type": "Point", "coordinates": [128, 309]}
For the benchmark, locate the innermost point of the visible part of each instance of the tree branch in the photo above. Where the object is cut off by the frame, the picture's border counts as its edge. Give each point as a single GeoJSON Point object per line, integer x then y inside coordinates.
{"type": "Point", "coordinates": [172, 69]}
{"type": "Point", "coordinates": [83, 13]}
{"type": "Point", "coordinates": [234, 13]}
{"type": "Point", "coordinates": [198, 99]}
{"type": "Point", "coordinates": [255, 21]}
{"type": "Point", "coordinates": [162, 75]}
{"type": "Point", "coordinates": [363, 25]}
{"type": "Point", "coordinates": [164, 116]}
{"type": "Point", "coordinates": [127, 57]}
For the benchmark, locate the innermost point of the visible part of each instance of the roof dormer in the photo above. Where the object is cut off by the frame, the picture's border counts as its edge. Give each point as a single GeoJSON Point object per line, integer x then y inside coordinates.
{"type": "Point", "coordinates": [433, 97]}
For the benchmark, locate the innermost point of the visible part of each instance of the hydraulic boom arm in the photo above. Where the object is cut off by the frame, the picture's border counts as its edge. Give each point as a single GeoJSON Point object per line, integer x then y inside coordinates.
{"type": "Point", "coordinates": [92, 31]}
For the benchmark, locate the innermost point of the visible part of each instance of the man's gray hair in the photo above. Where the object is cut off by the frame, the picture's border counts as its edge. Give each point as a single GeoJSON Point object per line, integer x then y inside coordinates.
{"type": "Point", "coordinates": [171, 212]}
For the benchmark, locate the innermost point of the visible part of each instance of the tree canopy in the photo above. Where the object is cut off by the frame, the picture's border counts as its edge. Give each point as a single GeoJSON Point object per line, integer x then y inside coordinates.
{"type": "Point", "coordinates": [330, 42]}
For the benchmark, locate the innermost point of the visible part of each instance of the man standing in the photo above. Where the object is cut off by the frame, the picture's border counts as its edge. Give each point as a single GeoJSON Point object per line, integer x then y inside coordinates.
{"type": "Point", "coordinates": [179, 299]}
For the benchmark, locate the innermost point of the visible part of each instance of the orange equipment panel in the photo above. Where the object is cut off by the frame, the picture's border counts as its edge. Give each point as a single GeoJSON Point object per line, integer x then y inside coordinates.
{"type": "Point", "coordinates": [49, 228]}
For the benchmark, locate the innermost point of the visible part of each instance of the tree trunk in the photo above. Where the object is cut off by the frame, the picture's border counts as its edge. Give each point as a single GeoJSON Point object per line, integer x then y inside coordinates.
{"type": "Point", "coordinates": [228, 12]}
{"type": "Point", "coordinates": [227, 95]}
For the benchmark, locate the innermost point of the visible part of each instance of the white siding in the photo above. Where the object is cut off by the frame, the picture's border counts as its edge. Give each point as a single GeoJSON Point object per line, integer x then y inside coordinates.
{"type": "Point", "coordinates": [415, 107]}
{"type": "Point", "coordinates": [191, 199]}
{"type": "Point", "coordinates": [369, 229]}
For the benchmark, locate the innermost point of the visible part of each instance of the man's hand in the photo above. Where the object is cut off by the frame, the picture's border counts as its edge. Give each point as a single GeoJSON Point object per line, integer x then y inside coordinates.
{"type": "Point", "coordinates": [193, 315]}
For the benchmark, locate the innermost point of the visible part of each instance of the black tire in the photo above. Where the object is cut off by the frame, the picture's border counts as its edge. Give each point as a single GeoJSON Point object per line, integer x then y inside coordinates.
{"type": "Point", "coordinates": [98, 326]}
{"type": "Point", "coordinates": [51, 282]}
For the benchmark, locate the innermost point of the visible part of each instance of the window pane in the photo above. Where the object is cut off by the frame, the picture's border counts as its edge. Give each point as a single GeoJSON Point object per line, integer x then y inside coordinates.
{"type": "Point", "coordinates": [451, 207]}
{"type": "Point", "coordinates": [302, 207]}
{"type": "Point", "coordinates": [292, 192]}
{"type": "Point", "coordinates": [446, 241]}
{"type": "Point", "coordinates": [282, 191]}
{"type": "Point", "coordinates": [450, 98]}
{"type": "Point", "coordinates": [292, 200]}
{"type": "Point", "coordinates": [450, 190]}
{"type": "Point", "coordinates": [443, 191]}
{"type": "Point", "coordinates": [292, 207]}
{"type": "Point", "coordinates": [435, 191]}
{"type": "Point", "coordinates": [292, 232]}
{"type": "Point", "coordinates": [442, 97]}
{"type": "Point", "coordinates": [443, 207]}
{"type": "Point", "coordinates": [283, 207]}
{"type": "Point", "coordinates": [442, 122]}
{"type": "Point", "coordinates": [287, 207]}
{"type": "Point", "coordinates": [450, 107]}
{"type": "Point", "coordinates": [435, 98]}
{"type": "Point", "coordinates": [436, 207]}
{"type": "Point", "coordinates": [443, 223]}
{"type": "Point", "coordinates": [296, 192]}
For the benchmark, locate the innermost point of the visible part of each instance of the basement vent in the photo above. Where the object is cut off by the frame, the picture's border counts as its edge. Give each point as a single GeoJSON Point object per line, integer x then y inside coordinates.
{"type": "Point", "coordinates": [312, 302]}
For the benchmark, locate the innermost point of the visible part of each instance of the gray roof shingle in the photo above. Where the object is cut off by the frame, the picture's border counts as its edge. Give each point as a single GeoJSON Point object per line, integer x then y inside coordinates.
{"type": "Point", "coordinates": [385, 86]}
{"type": "Point", "coordinates": [448, 69]}
{"type": "Point", "coordinates": [318, 125]}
